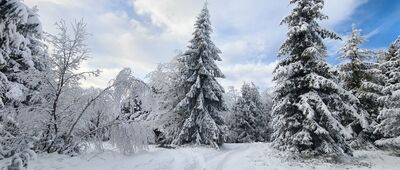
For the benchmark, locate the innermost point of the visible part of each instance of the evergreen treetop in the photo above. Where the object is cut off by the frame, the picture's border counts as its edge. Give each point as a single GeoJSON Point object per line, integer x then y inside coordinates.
{"type": "Point", "coordinates": [358, 69]}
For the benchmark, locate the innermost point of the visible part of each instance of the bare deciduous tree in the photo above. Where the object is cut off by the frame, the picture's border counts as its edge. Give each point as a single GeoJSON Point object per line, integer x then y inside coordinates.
{"type": "Point", "coordinates": [68, 51]}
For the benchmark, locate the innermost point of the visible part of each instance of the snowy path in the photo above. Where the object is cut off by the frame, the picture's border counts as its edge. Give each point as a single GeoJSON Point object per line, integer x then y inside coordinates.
{"type": "Point", "coordinates": [255, 156]}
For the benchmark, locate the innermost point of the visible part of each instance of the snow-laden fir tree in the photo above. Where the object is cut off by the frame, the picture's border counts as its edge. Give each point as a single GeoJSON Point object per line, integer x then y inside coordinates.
{"type": "Point", "coordinates": [355, 71]}
{"type": "Point", "coordinates": [359, 74]}
{"type": "Point", "coordinates": [22, 59]}
{"type": "Point", "coordinates": [389, 116]}
{"type": "Point", "coordinates": [22, 53]}
{"type": "Point", "coordinates": [361, 77]}
{"type": "Point", "coordinates": [201, 122]}
{"type": "Point", "coordinates": [250, 122]}
{"type": "Point", "coordinates": [310, 108]}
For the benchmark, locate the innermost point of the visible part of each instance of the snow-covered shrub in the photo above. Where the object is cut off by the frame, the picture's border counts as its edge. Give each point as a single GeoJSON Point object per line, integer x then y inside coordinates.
{"type": "Point", "coordinates": [133, 98]}
{"type": "Point", "coordinates": [166, 82]}
{"type": "Point", "coordinates": [392, 144]}
{"type": "Point", "coordinates": [20, 161]}
{"type": "Point", "coordinates": [15, 145]}
{"type": "Point", "coordinates": [130, 138]}
{"type": "Point", "coordinates": [95, 123]}
{"type": "Point", "coordinates": [16, 164]}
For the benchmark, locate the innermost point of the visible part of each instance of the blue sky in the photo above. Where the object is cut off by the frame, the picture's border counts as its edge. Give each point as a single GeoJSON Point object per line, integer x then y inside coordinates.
{"type": "Point", "coordinates": [383, 16]}
{"type": "Point", "coordinates": [379, 21]}
{"type": "Point", "coordinates": [142, 33]}
{"type": "Point", "coordinates": [380, 17]}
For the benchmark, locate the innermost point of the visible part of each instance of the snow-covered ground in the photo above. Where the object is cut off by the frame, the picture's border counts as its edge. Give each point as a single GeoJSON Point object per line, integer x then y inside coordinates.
{"type": "Point", "coordinates": [256, 156]}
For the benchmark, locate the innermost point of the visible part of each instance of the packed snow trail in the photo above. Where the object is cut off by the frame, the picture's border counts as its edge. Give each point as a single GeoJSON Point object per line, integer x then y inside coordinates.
{"type": "Point", "coordinates": [254, 156]}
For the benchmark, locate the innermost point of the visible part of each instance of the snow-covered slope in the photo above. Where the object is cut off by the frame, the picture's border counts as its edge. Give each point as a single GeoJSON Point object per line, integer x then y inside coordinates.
{"type": "Point", "coordinates": [257, 156]}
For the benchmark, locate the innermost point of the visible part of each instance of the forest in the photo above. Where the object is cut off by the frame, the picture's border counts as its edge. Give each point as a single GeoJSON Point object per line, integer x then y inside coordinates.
{"type": "Point", "coordinates": [316, 110]}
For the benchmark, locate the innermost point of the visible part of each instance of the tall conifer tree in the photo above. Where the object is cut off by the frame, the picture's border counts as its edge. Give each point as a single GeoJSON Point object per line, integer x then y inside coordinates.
{"type": "Point", "coordinates": [22, 53]}
{"type": "Point", "coordinates": [389, 116]}
{"type": "Point", "coordinates": [200, 109]}
{"type": "Point", "coordinates": [22, 60]}
{"type": "Point", "coordinates": [362, 77]}
{"type": "Point", "coordinates": [310, 110]}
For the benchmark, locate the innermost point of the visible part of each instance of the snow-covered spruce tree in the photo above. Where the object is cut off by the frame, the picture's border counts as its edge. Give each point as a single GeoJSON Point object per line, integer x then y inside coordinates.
{"type": "Point", "coordinates": [22, 59]}
{"type": "Point", "coordinates": [389, 116]}
{"type": "Point", "coordinates": [15, 144]}
{"type": "Point", "coordinates": [309, 107]}
{"type": "Point", "coordinates": [359, 75]}
{"type": "Point", "coordinates": [250, 122]}
{"type": "Point", "coordinates": [200, 109]}
{"type": "Point", "coordinates": [22, 53]}
{"type": "Point", "coordinates": [362, 78]}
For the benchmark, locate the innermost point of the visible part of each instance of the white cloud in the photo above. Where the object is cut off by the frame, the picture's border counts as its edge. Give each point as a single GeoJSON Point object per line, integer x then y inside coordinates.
{"type": "Point", "coordinates": [258, 73]}
{"type": "Point", "coordinates": [58, 2]}
{"type": "Point", "coordinates": [340, 10]}
{"type": "Point", "coordinates": [176, 16]}
{"type": "Point", "coordinates": [248, 32]}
